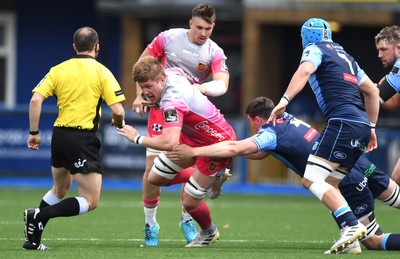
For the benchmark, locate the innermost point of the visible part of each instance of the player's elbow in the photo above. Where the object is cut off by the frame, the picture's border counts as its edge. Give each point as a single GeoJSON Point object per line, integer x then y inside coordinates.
{"type": "Point", "coordinates": [36, 99]}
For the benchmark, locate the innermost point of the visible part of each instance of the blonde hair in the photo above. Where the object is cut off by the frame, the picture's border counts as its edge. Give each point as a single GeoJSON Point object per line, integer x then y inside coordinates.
{"type": "Point", "coordinates": [147, 69]}
{"type": "Point", "coordinates": [390, 34]}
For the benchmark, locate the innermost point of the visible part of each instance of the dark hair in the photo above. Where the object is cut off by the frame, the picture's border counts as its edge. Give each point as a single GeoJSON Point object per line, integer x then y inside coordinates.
{"type": "Point", "coordinates": [85, 39]}
{"type": "Point", "coordinates": [206, 12]}
{"type": "Point", "coordinates": [261, 107]}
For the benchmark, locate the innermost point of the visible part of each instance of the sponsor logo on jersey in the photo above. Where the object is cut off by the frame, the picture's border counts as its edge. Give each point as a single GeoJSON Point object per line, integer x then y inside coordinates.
{"type": "Point", "coordinates": [370, 170]}
{"type": "Point", "coordinates": [201, 67]}
{"type": "Point", "coordinates": [360, 209]}
{"type": "Point", "coordinates": [339, 155]}
{"type": "Point", "coordinates": [357, 144]}
{"type": "Point", "coordinates": [207, 129]}
{"type": "Point", "coordinates": [80, 163]}
{"type": "Point", "coordinates": [170, 116]}
{"type": "Point", "coordinates": [157, 127]}
{"type": "Point", "coordinates": [350, 78]}
{"type": "Point", "coordinates": [119, 92]}
{"type": "Point", "coordinates": [329, 46]}
{"type": "Point", "coordinates": [224, 66]}
{"type": "Point", "coordinates": [362, 184]}
{"type": "Point", "coordinates": [311, 133]}
{"type": "Point", "coordinates": [191, 53]}
{"type": "Point", "coordinates": [212, 166]}
{"type": "Point", "coordinates": [41, 81]}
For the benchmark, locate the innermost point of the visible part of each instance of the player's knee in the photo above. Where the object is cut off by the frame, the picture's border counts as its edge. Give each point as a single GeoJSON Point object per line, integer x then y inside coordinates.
{"type": "Point", "coordinates": [157, 180]}
{"type": "Point", "coordinates": [165, 167]}
{"type": "Point", "coordinates": [394, 198]}
{"type": "Point", "coordinates": [314, 177]}
{"type": "Point", "coordinates": [306, 183]}
{"type": "Point", "coordinates": [194, 189]}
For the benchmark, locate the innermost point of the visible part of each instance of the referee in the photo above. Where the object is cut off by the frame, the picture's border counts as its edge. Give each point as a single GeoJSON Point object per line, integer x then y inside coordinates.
{"type": "Point", "coordinates": [80, 85]}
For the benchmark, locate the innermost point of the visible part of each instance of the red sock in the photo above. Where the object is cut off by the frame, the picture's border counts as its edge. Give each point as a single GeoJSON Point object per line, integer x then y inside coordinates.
{"type": "Point", "coordinates": [202, 216]}
{"type": "Point", "coordinates": [182, 176]}
{"type": "Point", "coordinates": [150, 203]}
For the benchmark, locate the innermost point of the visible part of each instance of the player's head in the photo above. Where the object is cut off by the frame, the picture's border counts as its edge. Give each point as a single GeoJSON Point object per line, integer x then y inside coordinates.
{"type": "Point", "coordinates": [258, 111]}
{"type": "Point", "coordinates": [390, 34]}
{"type": "Point", "coordinates": [315, 30]}
{"type": "Point", "coordinates": [206, 12]}
{"type": "Point", "coordinates": [86, 39]}
{"type": "Point", "coordinates": [387, 43]}
{"type": "Point", "coordinates": [146, 69]}
{"type": "Point", "coordinates": [150, 75]}
{"type": "Point", "coordinates": [202, 23]}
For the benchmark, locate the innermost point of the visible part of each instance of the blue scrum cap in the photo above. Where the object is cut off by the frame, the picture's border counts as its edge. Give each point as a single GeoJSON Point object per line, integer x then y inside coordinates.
{"type": "Point", "coordinates": [315, 30]}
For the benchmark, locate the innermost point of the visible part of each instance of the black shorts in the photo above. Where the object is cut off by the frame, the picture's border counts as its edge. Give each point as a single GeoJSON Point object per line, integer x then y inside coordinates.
{"type": "Point", "coordinates": [76, 150]}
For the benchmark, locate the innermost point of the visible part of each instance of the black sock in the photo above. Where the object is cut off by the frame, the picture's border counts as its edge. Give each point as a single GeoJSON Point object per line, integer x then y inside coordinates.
{"type": "Point", "coordinates": [43, 205]}
{"type": "Point", "coordinates": [65, 208]}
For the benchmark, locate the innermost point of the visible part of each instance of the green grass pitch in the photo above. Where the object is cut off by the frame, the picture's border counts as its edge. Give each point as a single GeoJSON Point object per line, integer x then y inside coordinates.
{"type": "Point", "coordinates": [256, 226]}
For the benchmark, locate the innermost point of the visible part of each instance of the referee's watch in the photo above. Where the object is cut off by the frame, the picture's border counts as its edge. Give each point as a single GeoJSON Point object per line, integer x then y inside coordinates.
{"type": "Point", "coordinates": [33, 132]}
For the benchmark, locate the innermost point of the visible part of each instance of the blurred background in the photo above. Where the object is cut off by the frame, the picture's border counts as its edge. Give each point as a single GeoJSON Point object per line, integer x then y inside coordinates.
{"type": "Point", "coordinates": [261, 39]}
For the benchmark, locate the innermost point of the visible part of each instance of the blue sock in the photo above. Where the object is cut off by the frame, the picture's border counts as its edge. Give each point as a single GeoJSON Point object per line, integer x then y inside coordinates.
{"type": "Point", "coordinates": [391, 242]}
{"type": "Point", "coordinates": [344, 216]}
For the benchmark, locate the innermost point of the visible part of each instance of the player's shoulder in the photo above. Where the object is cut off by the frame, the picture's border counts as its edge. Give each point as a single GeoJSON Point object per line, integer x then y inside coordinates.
{"type": "Point", "coordinates": [175, 31]}
{"type": "Point", "coordinates": [397, 64]}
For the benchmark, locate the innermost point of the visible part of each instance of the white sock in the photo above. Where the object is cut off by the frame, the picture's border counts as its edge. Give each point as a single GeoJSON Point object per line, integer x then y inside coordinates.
{"type": "Point", "coordinates": [185, 216]}
{"type": "Point", "coordinates": [150, 215]}
{"type": "Point", "coordinates": [50, 198]}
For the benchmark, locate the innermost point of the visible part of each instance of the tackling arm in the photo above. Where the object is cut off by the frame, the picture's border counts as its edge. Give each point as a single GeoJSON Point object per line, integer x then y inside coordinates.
{"type": "Point", "coordinates": [222, 149]}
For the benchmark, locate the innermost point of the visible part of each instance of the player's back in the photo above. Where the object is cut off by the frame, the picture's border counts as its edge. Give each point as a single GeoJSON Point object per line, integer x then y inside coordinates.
{"type": "Point", "coordinates": [79, 83]}
{"type": "Point", "coordinates": [335, 83]}
{"type": "Point", "coordinates": [294, 141]}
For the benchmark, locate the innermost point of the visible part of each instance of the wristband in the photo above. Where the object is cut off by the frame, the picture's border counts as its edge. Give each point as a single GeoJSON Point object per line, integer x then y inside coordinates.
{"type": "Point", "coordinates": [285, 99]}
{"type": "Point", "coordinates": [138, 139]}
{"type": "Point", "coordinates": [33, 132]}
{"type": "Point", "coordinates": [372, 125]}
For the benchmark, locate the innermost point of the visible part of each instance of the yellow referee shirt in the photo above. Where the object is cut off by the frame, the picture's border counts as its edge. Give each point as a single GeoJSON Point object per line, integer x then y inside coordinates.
{"type": "Point", "coordinates": [80, 85]}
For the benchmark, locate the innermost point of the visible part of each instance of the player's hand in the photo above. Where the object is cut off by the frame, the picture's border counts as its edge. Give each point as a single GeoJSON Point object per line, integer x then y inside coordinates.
{"type": "Point", "coordinates": [373, 142]}
{"type": "Point", "coordinates": [200, 87]}
{"type": "Point", "coordinates": [113, 123]}
{"type": "Point", "coordinates": [138, 107]}
{"type": "Point", "coordinates": [34, 141]}
{"type": "Point", "coordinates": [128, 132]}
{"type": "Point", "coordinates": [277, 111]}
{"type": "Point", "coordinates": [181, 152]}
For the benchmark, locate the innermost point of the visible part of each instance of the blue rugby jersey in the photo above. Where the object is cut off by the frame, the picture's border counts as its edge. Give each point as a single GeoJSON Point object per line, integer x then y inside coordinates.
{"type": "Point", "coordinates": [291, 140]}
{"type": "Point", "coordinates": [335, 81]}
{"type": "Point", "coordinates": [393, 78]}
